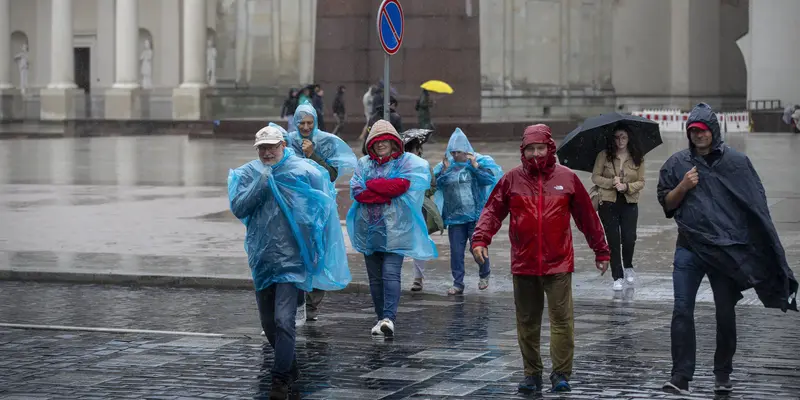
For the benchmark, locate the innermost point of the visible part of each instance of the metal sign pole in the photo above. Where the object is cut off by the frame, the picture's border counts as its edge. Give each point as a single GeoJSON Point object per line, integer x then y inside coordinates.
{"type": "Point", "coordinates": [386, 86]}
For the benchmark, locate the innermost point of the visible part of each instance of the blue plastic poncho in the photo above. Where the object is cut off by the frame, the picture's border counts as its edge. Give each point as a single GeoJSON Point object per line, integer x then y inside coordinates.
{"type": "Point", "coordinates": [293, 229]}
{"type": "Point", "coordinates": [398, 227]}
{"type": "Point", "coordinates": [462, 190]}
{"type": "Point", "coordinates": [330, 148]}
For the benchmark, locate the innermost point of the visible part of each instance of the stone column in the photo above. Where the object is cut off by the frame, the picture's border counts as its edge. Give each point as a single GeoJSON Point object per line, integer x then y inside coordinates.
{"type": "Point", "coordinates": [59, 101]}
{"type": "Point", "coordinates": [10, 98]}
{"type": "Point", "coordinates": [188, 100]}
{"type": "Point", "coordinates": [123, 99]}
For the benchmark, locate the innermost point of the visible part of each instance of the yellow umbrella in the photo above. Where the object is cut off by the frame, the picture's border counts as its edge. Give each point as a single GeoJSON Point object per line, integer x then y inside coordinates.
{"type": "Point", "coordinates": [437, 87]}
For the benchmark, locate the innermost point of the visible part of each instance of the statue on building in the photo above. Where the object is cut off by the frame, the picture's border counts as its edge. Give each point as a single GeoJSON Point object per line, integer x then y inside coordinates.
{"type": "Point", "coordinates": [22, 64]}
{"type": "Point", "coordinates": [146, 68]}
{"type": "Point", "coordinates": [211, 63]}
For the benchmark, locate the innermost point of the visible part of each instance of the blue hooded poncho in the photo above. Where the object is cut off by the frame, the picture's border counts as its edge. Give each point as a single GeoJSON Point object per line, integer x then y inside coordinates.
{"type": "Point", "coordinates": [398, 227]}
{"type": "Point", "coordinates": [330, 148]}
{"type": "Point", "coordinates": [293, 229]}
{"type": "Point", "coordinates": [462, 190]}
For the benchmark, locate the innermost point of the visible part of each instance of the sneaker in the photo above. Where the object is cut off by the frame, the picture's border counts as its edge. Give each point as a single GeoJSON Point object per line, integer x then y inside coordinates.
{"type": "Point", "coordinates": [387, 327]}
{"type": "Point", "coordinates": [630, 276]}
{"type": "Point", "coordinates": [531, 384]}
{"type": "Point", "coordinates": [312, 315]}
{"type": "Point", "coordinates": [417, 285]}
{"type": "Point", "coordinates": [376, 330]}
{"type": "Point", "coordinates": [279, 390]}
{"type": "Point", "coordinates": [560, 383]}
{"type": "Point", "coordinates": [618, 285]}
{"type": "Point", "coordinates": [722, 384]}
{"type": "Point", "coordinates": [677, 385]}
{"type": "Point", "coordinates": [483, 283]}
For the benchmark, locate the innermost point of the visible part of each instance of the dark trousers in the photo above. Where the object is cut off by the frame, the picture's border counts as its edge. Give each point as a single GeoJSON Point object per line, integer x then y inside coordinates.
{"type": "Point", "coordinates": [277, 305]}
{"type": "Point", "coordinates": [687, 274]}
{"type": "Point", "coordinates": [619, 221]}
{"type": "Point", "coordinates": [340, 118]}
{"type": "Point", "coordinates": [313, 300]}
{"type": "Point", "coordinates": [529, 293]}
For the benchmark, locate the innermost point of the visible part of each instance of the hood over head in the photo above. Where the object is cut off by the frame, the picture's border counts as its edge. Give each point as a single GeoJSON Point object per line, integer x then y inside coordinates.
{"type": "Point", "coordinates": [703, 115]}
{"type": "Point", "coordinates": [539, 133]}
{"type": "Point", "coordinates": [302, 111]}
{"type": "Point", "coordinates": [458, 142]}
{"type": "Point", "coordinates": [383, 130]}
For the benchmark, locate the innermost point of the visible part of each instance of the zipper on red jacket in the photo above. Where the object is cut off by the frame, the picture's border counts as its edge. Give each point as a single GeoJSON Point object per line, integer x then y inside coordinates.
{"type": "Point", "coordinates": [541, 249]}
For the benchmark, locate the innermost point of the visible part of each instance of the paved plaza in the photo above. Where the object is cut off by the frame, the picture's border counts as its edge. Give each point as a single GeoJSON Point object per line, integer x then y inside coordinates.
{"type": "Point", "coordinates": [152, 212]}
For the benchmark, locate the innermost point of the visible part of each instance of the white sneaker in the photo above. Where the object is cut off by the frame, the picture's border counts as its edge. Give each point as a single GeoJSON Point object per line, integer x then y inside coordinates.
{"type": "Point", "coordinates": [376, 330]}
{"type": "Point", "coordinates": [387, 327]}
{"type": "Point", "coordinates": [630, 276]}
{"type": "Point", "coordinates": [618, 285]}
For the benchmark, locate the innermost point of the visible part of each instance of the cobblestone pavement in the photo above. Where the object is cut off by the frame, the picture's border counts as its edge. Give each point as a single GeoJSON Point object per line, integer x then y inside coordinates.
{"type": "Point", "coordinates": [444, 348]}
{"type": "Point", "coordinates": [147, 207]}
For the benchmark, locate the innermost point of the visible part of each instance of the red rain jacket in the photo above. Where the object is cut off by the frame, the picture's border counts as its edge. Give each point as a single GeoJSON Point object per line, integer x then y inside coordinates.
{"type": "Point", "coordinates": [540, 196]}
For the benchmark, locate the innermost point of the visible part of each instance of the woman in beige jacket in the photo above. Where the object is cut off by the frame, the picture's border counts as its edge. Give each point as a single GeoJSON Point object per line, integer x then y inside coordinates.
{"type": "Point", "coordinates": [619, 175]}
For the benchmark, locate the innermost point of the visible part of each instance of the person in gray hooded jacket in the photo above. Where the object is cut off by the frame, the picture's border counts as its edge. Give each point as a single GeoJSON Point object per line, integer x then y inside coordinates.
{"type": "Point", "coordinates": [724, 231]}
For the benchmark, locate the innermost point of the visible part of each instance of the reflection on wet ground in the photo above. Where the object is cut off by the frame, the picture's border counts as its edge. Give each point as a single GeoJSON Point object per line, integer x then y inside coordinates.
{"type": "Point", "coordinates": [444, 348]}
{"type": "Point", "coordinates": [158, 205]}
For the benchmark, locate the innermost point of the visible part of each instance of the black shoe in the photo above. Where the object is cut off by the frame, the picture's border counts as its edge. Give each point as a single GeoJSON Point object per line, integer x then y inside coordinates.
{"type": "Point", "coordinates": [722, 384]}
{"type": "Point", "coordinates": [677, 385]}
{"type": "Point", "coordinates": [279, 390]}
{"type": "Point", "coordinates": [531, 384]}
{"type": "Point", "coordinates": [560, 383]}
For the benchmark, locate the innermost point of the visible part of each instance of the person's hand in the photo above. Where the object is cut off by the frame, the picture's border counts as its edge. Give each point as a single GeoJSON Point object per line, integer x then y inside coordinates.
{"type": "Point", "coordinates": [691, 179]}
{"type": "Point", "coordinates": [480, 254]}
{"type": "Point", "coordinates": [616, 181]}
{"type": "Point", "coordinates": [602, 266]}
{"type": "Point", "coordinates": [308, 147]}
{"type": "Point", "coordinates": [621, 187]}
{"type": "Point", "coordinates": [445, 163]}
{"type": "Point", "coordinates": [472, 160]}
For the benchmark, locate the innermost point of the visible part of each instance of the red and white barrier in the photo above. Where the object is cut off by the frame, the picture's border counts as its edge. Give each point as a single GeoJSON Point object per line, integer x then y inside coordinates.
{"type": "Point", "coordinates": [675, 120]}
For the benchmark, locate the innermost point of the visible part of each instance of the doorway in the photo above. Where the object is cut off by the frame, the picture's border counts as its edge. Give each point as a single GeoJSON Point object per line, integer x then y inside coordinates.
{"type": "Point", "coordinates": [83, 75]}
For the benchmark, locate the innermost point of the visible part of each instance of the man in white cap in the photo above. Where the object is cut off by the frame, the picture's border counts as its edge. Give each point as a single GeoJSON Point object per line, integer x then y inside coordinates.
{"type": "Point", "coordinates": [294, 240]}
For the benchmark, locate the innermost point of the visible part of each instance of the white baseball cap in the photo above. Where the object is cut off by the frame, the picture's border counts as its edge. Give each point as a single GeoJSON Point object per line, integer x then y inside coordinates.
{"type": "Point", "coordinates": [268, 135]}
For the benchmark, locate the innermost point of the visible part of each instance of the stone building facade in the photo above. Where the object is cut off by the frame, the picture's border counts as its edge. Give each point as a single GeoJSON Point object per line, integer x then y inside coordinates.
{"type": "Point", "coordinates": [506, 59]}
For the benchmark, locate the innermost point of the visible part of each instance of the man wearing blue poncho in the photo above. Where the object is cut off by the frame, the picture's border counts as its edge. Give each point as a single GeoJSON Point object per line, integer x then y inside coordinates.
{"type": "Point", "coordinates": [385, 222]}
{"type": "Point", "coordinates": [464, 180]}
{"type": "Point", "coordinates": [325, 149]}
{"type": "Point", "coordinates": [294, 241]}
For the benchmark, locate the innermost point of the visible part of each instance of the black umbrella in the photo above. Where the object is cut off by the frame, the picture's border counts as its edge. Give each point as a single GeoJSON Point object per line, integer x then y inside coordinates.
{"type": "Point", "coordinates": [580, 148]}
{"type": "Point", "coordinates": [420, 134]}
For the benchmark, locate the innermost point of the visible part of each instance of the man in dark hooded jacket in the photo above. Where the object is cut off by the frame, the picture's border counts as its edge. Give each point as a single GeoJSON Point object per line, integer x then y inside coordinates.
{"type": "Point", "coordinates": [724, 231]}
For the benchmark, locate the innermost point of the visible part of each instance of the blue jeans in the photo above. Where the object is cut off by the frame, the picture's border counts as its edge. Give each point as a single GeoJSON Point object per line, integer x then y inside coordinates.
{"type": "Point", "coordinates": [686, 277]}
{"type": "Point", "coordinates": [459, 235]}
{"type": "Point", "coordinates": [383, 270]}
{"type": "Point", "coordinates": [277, 305]}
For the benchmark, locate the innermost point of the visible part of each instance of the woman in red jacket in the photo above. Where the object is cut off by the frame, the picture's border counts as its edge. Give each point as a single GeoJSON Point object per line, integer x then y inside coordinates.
{"type": "Point", "coordinates": [540, 196]}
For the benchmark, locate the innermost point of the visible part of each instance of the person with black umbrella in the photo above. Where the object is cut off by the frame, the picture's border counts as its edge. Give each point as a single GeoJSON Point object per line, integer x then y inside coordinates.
{"type": "Point", "coordinates": [619, 175]}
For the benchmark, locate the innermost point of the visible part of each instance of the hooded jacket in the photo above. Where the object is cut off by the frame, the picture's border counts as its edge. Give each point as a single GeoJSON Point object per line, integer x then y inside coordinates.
{"type": "Point", "coordinates": [541, 195]}
{"type": "Point", "coordinates": [725, 219]}
{"type": "Point", "coordinates": [383, 190]}
{"type": "Point", "coordinates": [389, 191]}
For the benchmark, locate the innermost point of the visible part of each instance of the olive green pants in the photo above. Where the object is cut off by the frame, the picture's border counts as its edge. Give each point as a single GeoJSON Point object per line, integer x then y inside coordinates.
{"type": "Point", "coordinates": [529, 292]}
